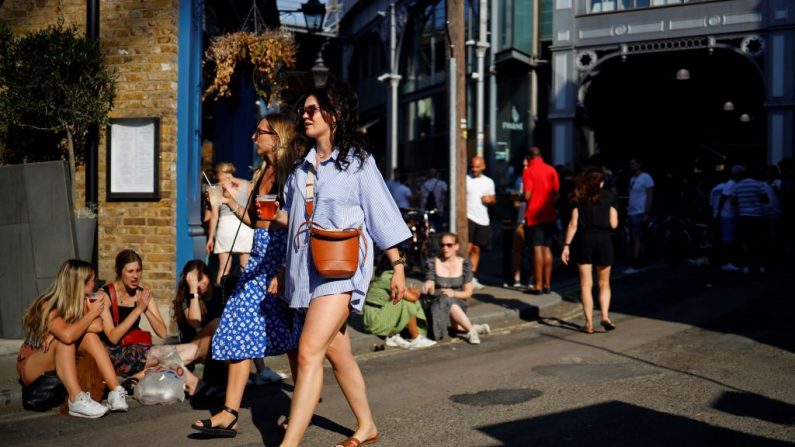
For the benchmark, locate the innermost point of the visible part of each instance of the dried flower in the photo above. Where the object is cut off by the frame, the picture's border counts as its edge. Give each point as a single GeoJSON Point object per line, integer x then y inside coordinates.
{"type": "Point", "coordinates": [267, 55]}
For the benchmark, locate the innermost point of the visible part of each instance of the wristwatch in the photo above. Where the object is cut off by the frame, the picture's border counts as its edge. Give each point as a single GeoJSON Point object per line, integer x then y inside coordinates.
{"type": "Point", "coordinates": [399, 261]}
{"type": "Point", "coordinates": [194, 295]}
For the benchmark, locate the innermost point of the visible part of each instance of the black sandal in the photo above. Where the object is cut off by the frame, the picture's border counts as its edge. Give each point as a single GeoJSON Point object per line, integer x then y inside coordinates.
{"type": "Point", "coordinates": [205, 426]}
{"type": "Point", "coordinates": [608, 325]}
{"type": "Point", "coordinates": [129, 385]}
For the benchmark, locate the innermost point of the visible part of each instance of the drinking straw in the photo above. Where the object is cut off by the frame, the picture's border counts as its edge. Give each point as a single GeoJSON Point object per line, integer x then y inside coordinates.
{"type": "Point", "coordinates": [207, 179]}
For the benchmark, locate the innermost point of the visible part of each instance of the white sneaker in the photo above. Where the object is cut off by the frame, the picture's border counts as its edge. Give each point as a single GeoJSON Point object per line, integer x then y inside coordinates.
{"type": "Point", "coordinates": [421, 342]}
{"type": "Point", "coordinates": [482, 328]}
{"type": "Point", "coordinates": [86, 407]}
{"type": "Point", "coordinates": [477, 285]}
{"type": "Point", "coordinates": [267, 376]}
{"type": "Point", "coordinates": [117, 399]}
{"type": "Point", "coordinates": [730, 268]}
{"type": "Point", "coordinates": [396, 341]}
{"type": "Point", "coordinates": [631, 271]}
{"type": "Point", "coordinates": [472, 337]}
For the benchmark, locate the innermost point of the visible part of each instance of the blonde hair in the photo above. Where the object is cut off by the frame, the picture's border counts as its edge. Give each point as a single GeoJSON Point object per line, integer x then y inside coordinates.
{"type": "Point", "coordinates": [225, 167]}
{"type": "Point", "coordinates": [287, 150]}
{"type": "Point", "coordinates": [66, 296]}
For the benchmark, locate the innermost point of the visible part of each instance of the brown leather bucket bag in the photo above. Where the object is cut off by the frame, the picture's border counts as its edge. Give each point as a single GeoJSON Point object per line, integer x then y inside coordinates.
{"type": "Point", "coordinates": [335, 253]}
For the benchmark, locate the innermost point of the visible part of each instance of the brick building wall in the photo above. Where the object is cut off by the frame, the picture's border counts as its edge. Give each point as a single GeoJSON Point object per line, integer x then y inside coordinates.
{"type": "Point", "coordinates": [139, 39]}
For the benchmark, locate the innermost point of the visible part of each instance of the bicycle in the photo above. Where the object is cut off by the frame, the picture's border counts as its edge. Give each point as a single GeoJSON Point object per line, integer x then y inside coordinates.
{"type": "Point", "coordinates": [423, 243]}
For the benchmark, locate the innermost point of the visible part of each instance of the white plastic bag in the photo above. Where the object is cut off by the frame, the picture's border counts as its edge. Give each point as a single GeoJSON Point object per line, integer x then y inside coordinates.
{"type": "Point", "coordinates": [165, 383]}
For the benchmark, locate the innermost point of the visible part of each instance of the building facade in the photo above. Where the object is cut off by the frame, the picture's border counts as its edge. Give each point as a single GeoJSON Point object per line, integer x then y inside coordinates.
{"type": "Point", "coordinates": [155, 47]}
{"type": "Point", "coordinates": [672, 79]}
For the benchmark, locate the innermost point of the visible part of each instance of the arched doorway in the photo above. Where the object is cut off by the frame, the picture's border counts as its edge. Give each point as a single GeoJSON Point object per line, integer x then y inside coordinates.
{"type": "Point", "coordinates": [677, 110]}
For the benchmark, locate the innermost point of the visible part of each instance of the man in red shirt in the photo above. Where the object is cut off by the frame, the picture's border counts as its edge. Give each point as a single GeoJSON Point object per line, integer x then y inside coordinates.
{"type": "Point", "coordinates": [541, 189]}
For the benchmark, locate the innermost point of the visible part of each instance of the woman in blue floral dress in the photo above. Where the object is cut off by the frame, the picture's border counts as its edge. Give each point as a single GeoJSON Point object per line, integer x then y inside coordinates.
{"type": "Point", "coordinates": [256, 322]}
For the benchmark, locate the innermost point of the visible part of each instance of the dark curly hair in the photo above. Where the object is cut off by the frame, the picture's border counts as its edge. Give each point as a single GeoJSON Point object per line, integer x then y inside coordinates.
{"type": "Point", "coordinates": [339, 106]}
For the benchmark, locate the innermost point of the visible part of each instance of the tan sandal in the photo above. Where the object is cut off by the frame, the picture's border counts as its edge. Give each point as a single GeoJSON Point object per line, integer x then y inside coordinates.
{"type": "Point", "coordinates": [353, 442]}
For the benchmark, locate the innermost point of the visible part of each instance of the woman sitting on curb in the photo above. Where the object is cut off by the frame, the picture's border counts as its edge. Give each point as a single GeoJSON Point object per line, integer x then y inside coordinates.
{"type": "Point", "coordinates": [57, 324]}
{"type": "Point", "coordinates": [385, 318]}
{"type": "Point", "coordinates": [449, 278]}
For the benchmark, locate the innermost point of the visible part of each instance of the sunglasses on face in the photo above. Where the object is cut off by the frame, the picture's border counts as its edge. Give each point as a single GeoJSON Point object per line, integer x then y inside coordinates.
{"type": "Point", "coordinates": [448, 245]}
{"type": "Point", "coordinates": [264, 132]}
{"type": "Point", "coordinates": [308, 110]}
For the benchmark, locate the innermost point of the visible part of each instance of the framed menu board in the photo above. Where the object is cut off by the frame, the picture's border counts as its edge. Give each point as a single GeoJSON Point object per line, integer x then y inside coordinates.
{"type": "Point", "coordinates": [133, 152]}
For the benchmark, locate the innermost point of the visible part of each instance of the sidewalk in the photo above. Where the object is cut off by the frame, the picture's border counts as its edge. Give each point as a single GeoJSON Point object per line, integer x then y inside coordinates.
{"type": "Point", "coordinates": [497, 306]}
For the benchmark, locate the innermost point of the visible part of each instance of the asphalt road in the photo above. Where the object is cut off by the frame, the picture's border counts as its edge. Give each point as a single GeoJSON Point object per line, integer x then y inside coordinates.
{"type": "Point", "coordinates": [699, 358]}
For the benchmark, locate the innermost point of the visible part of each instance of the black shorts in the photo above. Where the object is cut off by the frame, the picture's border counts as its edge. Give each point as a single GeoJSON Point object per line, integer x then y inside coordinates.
{"type": "Point", "coordinates": [479, 235]}
{"type": "Point", "coordinates": [540, 235]}
{"type": "Point", "coordinates": [592, 247]}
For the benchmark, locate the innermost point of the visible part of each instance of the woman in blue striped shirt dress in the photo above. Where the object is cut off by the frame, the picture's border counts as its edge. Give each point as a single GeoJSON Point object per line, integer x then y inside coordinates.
{"type": "Point", "coordinates": [349, 192]}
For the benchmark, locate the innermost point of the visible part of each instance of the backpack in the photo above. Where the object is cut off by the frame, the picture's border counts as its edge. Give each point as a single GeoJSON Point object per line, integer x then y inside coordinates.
{"type": "Point", "coordinates": [430, 201]}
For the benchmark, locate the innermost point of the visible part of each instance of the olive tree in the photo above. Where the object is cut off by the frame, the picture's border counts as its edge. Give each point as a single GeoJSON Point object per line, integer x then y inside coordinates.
{"type": "Point", "coordinates": [55, 80]}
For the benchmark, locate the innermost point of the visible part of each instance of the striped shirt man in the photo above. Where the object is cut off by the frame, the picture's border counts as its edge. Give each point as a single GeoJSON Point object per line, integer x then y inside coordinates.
{"type": "Point", "coordinates": [749, 194]}
{"type": "Point", "coordinates": [353, 198]}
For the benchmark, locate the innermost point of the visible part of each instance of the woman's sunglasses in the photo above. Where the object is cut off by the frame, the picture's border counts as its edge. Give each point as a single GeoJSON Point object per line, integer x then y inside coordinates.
{"type": "Point", "coordinates": [264, 132]}
{"type": "Point", "coordinates": [447, 245]}
{"type": "Point", "coordinates": [309, 110]}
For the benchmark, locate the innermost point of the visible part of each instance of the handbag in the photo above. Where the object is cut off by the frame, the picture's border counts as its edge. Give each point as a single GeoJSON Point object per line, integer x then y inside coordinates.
{"type": "Point", "coordinates": [44, 393]}
{"type": "Point", "coordinates": [134, 336]}
{"type": "Point", "coordinates": [335, 252]}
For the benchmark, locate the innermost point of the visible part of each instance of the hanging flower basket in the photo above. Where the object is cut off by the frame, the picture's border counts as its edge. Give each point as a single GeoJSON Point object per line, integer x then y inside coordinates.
{"type": "Point", "coordinates": [267, 55]}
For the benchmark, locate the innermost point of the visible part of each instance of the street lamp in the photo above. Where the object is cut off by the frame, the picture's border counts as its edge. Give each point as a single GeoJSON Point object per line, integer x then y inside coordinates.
{"type": "Point", "coordinates": [314, 15]}
{"type": "Point", "coordinates": [319, 70]}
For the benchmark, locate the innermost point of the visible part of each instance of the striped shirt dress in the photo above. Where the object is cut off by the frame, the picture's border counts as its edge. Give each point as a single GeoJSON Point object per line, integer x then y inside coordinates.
{"type": "Point", "coordinates": [353, 198]}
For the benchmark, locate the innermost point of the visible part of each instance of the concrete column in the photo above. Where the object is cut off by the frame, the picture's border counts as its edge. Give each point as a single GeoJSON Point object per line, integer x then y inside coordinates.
{"type": "Point", "coordinates": [780, 83]}
{"type": "Point", "coordinates": [563, 97]}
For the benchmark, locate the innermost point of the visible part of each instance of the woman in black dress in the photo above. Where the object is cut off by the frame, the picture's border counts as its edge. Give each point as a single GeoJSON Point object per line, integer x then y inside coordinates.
{"type": "Point", "coordinates": [594, 215]}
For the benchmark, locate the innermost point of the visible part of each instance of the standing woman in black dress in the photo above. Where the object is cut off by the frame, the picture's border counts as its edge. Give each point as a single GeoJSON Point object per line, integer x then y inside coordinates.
{"type": "Point", "coordinates": [594, 215]}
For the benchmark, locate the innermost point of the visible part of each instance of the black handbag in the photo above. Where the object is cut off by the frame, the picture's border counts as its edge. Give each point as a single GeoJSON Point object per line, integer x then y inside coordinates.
{"type": "Point", "coordinates": [44, 393]}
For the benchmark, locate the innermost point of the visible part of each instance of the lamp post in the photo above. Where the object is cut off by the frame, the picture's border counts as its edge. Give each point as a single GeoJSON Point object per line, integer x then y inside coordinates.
{"type": "Point", "coordinates": [314, 16]}
{"type": "Point", "coordinates": [394, 79]}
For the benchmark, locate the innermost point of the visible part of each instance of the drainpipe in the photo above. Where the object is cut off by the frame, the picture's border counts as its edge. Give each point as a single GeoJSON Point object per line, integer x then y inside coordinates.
{"type": "Point", "coordinates": [92, 140]}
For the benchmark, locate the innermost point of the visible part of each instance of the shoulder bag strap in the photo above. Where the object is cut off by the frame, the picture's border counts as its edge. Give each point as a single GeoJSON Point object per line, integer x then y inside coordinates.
{"type": "Point", "coordinates": [310, 194]}
{"type": "Point", "coordinates": [114, 302]}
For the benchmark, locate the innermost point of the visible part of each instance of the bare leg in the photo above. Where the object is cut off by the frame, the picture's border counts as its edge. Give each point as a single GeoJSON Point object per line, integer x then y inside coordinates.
{"type": "Point", "coordinates": [538, 265]}
{"type": "Point", "coordinates": [474, 256]}
{"type": "Point", "coordinates": [547, 253]}
{"type": "Point", "coordinates": [324, 320]}
{"type": "Point", "coordinates": [61, 358]}
{"type": "Point", "coordinates": [224, 265]}
{"type": "Point", "coordinates": [93, 346]}
{"type": "Point", "coordinates": [459, 319]}
{"type": "Point", "coordinates": [412, 328]}
{"type": "Point", "coordinates": [243, 259]}
{"type": "Point", "coordinates": [203, 340]}
{"type": "Point", "coordinates": [603, 276]}
{"type": "Point", "coordinates": [518, 252]}
{"type": "Point", "coordinates": [350, 379]}
{"type": "Point", "coordinates": [586, 293]}
{"type": "Point", "coordinates": [235, 386]}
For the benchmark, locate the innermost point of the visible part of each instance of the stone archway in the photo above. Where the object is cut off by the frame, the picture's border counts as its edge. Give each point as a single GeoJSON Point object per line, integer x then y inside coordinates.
{"type": "Point", "coordinates": [676, 108]}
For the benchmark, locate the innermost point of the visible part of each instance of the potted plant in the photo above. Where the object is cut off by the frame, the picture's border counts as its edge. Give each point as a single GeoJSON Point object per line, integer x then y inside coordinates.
{"type": "Point", "coordinates": [54, 86]}
{"type": "Point", "coordinates": [262, 57]}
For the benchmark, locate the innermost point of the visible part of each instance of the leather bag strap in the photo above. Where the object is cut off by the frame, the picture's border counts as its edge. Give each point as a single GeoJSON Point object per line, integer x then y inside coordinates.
{"type": "Point", "coordinates": [310, 194]}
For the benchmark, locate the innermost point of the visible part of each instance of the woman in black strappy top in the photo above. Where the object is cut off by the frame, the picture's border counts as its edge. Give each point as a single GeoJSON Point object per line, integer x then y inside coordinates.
{"type": "Point", "coordinates": [448, 277]}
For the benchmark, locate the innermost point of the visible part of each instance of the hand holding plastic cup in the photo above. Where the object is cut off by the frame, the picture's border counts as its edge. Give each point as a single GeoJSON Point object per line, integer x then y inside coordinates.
{"type": "Point", "coordinates": [267, 206]}
{"type": "Point", "coordinates": [214, 192]}
{"type": "Point", "coordinates": [93, 297]}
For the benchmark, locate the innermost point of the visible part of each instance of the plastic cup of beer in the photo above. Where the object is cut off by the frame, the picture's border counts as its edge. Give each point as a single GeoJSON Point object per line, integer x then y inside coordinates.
{"type": "Point", "coordinates": [214, 193]}
{"type": "Point", "coordinates": [267, 206]}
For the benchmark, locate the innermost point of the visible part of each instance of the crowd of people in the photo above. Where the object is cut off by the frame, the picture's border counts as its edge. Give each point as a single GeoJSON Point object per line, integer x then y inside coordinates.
{"type": "Point", "coordinates": [294, 295]}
